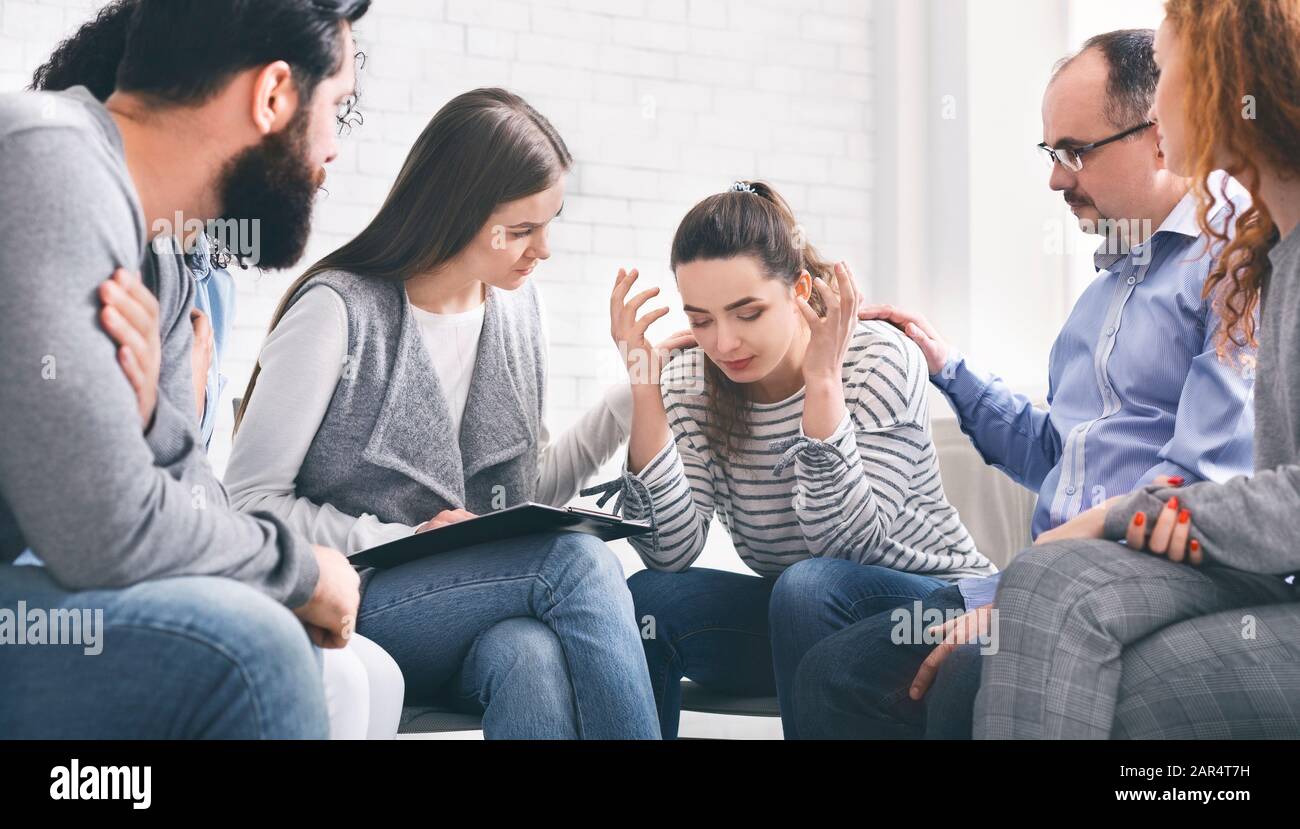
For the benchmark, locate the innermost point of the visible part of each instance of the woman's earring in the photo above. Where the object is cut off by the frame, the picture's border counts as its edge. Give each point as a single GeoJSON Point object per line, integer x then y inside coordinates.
{"type": "Point", "coordinates": [803, 287]}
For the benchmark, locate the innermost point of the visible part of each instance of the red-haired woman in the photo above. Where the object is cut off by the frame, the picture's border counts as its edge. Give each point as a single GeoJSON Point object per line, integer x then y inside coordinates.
{"type": "Point", "coordinates": [1193, 628]}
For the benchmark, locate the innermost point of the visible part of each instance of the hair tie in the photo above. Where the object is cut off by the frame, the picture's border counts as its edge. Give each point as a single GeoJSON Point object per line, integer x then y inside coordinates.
{"type": "Point", "coordinates": [743, 187]}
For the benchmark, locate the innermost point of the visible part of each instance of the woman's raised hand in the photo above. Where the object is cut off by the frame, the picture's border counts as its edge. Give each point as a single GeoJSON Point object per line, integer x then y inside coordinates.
{"type": "Point", "coordinates": [831, 334]}
{"type": "Point", "coordinates": [643, 360]}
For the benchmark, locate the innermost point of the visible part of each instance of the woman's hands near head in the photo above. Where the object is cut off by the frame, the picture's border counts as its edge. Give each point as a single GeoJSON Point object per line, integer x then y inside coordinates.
{"type": "Point", "coordinates": [828, 344]}
{"type": "Point", "coordinates": [643, 360]}
{"type": "Point", "coordinates": [681, 341]}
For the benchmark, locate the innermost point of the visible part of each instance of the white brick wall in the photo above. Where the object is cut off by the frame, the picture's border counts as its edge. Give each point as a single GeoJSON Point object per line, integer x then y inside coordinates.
{"type": "Point", "coordinates": [662, 102]}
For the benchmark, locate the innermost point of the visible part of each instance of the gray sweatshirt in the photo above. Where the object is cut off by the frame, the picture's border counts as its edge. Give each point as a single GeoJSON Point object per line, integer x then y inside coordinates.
{"type": "Point", "coordinates": [1252, 523]}
{"type": "Point", "coordinates": [101, 504]}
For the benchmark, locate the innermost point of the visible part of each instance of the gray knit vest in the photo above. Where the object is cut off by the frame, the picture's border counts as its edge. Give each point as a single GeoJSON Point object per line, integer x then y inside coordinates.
{"type": "Point", "coordinates": [386, 444]}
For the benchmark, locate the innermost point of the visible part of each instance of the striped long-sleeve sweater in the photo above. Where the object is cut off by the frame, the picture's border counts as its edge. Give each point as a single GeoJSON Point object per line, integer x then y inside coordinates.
{"type": "Point", "coordinates": [871, 493]}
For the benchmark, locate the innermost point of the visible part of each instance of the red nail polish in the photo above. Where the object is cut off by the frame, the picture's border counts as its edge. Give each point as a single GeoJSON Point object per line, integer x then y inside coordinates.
{"type": "Point", "coordinates": [1195, 545]}
{"type": "Point", "coordinates": [1173, 503]}
{"type": "Point", "coordinates": [1184, 516]}
{"type": "Point", "coordinates": [1140, 518]}
{"type": "Point", "coordinates": [1176, 481]}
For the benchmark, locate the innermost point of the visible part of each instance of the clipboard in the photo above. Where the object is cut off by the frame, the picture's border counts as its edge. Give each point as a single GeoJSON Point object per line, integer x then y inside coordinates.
{"type": "Point", "coordinates": [515, 522]}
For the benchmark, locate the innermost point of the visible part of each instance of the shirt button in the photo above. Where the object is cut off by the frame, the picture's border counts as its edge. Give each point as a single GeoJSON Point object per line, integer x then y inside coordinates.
{"type": "Point", "coordinates": [1069, 490]}
{"type": "Point", "coordinates": [1110, 332]}
{"type": "Point", "coordinates": [1132, 280]}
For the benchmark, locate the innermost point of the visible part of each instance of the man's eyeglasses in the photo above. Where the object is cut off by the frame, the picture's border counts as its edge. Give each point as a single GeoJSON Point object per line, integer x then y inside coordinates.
{"type": "Point", "coordinates": [1071, 158]}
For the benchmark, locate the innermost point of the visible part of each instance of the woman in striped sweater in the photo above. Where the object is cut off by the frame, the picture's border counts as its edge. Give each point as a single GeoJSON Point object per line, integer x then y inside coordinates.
{"type": "Point", "coordinates": [804, 430]}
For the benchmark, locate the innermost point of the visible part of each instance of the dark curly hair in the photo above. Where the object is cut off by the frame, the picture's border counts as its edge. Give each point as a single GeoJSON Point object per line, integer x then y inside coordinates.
{"type": "Point", "coordinates": [91, 56]}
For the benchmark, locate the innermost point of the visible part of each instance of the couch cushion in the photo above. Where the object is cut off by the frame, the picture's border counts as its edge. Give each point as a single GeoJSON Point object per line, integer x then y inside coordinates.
{"type": "Point", "coordinates": [417, 719]}
{"type": "Point", "coordinates": [431, 720]}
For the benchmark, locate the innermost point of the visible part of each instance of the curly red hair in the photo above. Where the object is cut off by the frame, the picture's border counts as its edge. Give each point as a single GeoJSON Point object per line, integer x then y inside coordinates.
{"type": "Point", "coordinates": [1235, 49]}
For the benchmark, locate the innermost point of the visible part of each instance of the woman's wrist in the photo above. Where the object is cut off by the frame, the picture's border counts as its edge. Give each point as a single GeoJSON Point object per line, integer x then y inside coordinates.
{"type": "Point", "coordinates": [647, 394]}
{"type": "Point", "coordinates": [643, 365]}
{"type": "Point", "coordinates": [650, 430]}
{"type": "Point", "coordinates": [823, 382]}
{"type": "Point", "coordinates": [824, 407]}
{"type": "Point", "coordinates": [1120, 511]}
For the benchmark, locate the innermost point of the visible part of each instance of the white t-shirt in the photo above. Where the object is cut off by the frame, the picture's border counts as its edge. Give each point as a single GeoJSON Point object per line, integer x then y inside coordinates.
{"type": "Point", "coordinates": [455, 353]}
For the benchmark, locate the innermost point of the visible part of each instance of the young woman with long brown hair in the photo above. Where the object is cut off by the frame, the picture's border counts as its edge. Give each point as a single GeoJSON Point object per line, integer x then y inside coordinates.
{"type": "Point", "coordinates": [806, 431]}
{"type": "Point", "coordinates": [1191, 629]}
{"type": "Point", "coordinates": [402, 387]}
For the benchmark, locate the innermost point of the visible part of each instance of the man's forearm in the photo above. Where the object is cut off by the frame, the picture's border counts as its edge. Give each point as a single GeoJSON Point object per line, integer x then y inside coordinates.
{"type": "Point", "coordinates": [1005, 427]}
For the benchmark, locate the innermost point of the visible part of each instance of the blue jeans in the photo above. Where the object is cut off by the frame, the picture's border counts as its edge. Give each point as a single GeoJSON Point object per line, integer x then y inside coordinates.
{"type": "Point", "coordinates": [854, 684]}
{"type": "Point", "coordinates": [182, 658]}
{"type": "Point", "coordinates": [746, 635]}
{"type": "Point", "coordinates": [537, 634]}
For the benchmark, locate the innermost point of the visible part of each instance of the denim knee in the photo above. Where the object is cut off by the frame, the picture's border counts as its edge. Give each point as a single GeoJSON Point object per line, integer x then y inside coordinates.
{"type": "Point", "coordinates": [809, 583]}
{"type": "Point", "coordinates": [647, 586]}
{"type": "Point", "coordinates": [520, 643]}
{"type": "Point", "coordinates": [522, 650]}
{"type": "Point", "coordinates": [950, 702]}
{"type": "Point", "coordinates": [264, 645]}
{"type": "Point", "coordinates": [588, 559]}
{"type": "Point", "coordinates": [656, 594]}
{"type": "Point", "coordinates": [181, 658]}
{"type": "Point", "coordinates": [815, 687]}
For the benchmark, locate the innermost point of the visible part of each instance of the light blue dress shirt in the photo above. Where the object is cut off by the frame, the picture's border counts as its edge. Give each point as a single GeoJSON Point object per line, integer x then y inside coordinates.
{"type": "Point", "coordinates": [214, 295]}
{"type": "Point", "coordinates": [1135, 391]}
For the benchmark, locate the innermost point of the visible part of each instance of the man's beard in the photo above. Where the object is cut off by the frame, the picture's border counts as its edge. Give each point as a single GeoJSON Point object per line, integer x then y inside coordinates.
{"type": "Point", "coordinates": [272, 186]}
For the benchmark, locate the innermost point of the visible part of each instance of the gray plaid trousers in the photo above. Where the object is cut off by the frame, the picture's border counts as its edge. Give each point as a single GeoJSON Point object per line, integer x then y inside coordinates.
{"type": "Point", "coordinates": [1098, 640]}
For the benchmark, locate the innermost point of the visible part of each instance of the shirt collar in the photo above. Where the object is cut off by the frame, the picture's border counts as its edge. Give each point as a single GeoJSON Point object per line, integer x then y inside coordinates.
{"type": "Point", "coordinates": [1105, 259]}
{"type": "Point", "coordinates": [1182, 219]}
